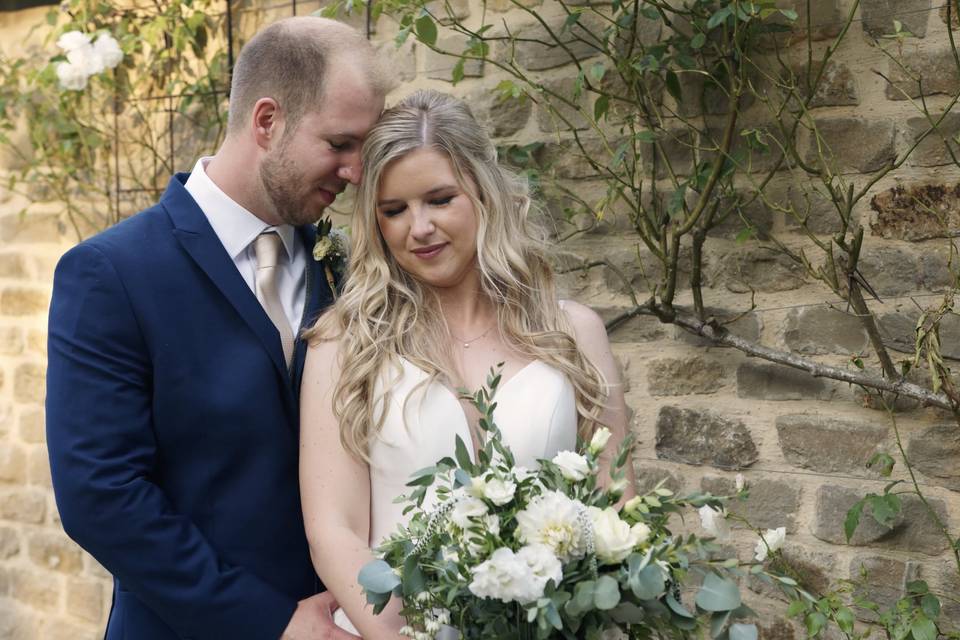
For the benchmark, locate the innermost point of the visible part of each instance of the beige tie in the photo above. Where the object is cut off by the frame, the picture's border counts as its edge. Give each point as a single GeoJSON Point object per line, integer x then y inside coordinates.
{"type": "Point", "coordinates": [267, 248]}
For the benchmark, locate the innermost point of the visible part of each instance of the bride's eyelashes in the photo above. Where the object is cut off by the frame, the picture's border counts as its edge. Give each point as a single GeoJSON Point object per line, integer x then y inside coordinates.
{"type": "Point", "coordinates": [434, 202]}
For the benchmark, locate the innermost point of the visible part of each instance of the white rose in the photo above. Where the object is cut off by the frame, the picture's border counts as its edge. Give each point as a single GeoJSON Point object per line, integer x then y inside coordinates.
{"type": "Point", "coordinates": [774, 540]}
{"type": "Point", "coordinates": [86, 59]}
{"type": "Point", "coordinates": [109, 51]}
{"type": "Point", "coordinates": [542, 562]}
{"type": "Point", "coordinates": [552, 519]}
{"type": "Point", "coordinates": [714, 522]}
{"type": "Point", "coordinates": [615, 539]}
{"type": "Point", "coordinates": [599, 440]}
{"type": "Point", "coordinates": [503, 576]}
{"type": "Point", "coordinates": [499, 492]}
{"type": "Point", "coordinates": [572, 465]}
{"type": "Point", "coordinates": [73, 40]}
{"type": "Point", "coordinates": [71, 77]}
{"type": "Point", "coordinates": [467, 508]}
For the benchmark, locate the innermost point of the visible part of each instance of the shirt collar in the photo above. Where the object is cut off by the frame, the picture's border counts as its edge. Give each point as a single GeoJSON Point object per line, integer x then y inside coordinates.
{"type": "Point", "coordinates": [235, 226]}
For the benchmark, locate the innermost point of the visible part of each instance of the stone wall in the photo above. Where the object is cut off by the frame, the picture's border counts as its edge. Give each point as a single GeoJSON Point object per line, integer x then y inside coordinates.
{"type": "Point", "coordinates": [701, 413]}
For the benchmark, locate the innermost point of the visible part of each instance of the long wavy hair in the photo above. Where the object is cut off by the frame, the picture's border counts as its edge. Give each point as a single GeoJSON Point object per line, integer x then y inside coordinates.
{"type": "Point", "coordinates": [384, 313]}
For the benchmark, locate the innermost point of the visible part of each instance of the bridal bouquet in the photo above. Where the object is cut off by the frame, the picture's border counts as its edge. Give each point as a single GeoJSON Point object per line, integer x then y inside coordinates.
{"type": "Point", "coordinates": [508, 552]}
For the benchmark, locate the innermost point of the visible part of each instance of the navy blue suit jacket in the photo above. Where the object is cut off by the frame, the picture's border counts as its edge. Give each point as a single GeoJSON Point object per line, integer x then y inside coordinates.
{"type": "Point", "coordinates": [172, 425]}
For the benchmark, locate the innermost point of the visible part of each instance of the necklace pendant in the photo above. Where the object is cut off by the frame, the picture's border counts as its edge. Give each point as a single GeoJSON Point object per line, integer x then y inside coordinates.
{"type": "Point", "coordinates": [466, 345]}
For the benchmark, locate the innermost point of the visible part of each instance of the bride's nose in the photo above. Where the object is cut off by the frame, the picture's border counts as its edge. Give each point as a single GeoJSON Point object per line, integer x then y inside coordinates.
{"type": "Point", "coordinates": [422, 225]}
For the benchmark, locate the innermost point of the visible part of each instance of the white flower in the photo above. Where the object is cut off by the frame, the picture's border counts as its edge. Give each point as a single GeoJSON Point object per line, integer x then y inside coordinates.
{"type": "Point", "coordinates": [614, 538]}
{"type": "Point", "coordinates": [71, 77]}
{"type": "Point", "coordinates": [552, 519]}
{"type": "Point", "coordinates": [466, 508]}
{"type": "Point", "coordinates": [770, 540]}
{"type": "Point", "coordinates": [72, 40]}
{"type": "Point", "coordinates": [406, 631]}
{"type": "Point", "coordinates": [522, 473]}
{"type": "Point", "coordinates": [477, 485]}
{"type": "Point", "coordinates": [109, 51]}
{"type": "Point", "coordinates": [86, 59]}
{"type": "Point", "coordinates": [617, 487]}
{"type": "Point", "coordinates": [503, 576]}
{"type": "Point", "coordinates": [740, 482]}
{"type": "Point", "coordinates": [449, 554]}
{"type": "Point", "coordinates": [542, 562]}
{"type": "Point", "coordinates": [572, 465]}
{"type": "Point", "coordinates": [499, 492]}
{"type": "Point", "coordinates": [599, 440]}
{"type": "Point", "coordinates": [714, 522]}
{"type": "Point", "coordinates": [633, 505]}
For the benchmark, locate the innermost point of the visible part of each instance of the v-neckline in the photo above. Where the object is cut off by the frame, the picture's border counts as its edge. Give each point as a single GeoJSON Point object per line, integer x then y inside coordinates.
{"type": "Point", "coordinates": [456, 398]}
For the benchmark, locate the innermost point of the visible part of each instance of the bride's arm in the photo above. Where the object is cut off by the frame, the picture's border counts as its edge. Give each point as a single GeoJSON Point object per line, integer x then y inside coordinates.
{"type": "Point", "coordinates": [335, 490]}
{"type": "Point", "coordinates": [591, 335]}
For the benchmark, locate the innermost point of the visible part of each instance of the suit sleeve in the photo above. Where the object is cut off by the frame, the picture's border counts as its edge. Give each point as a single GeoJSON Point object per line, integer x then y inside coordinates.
{"type": "Point", "coordinates": [102, 454]}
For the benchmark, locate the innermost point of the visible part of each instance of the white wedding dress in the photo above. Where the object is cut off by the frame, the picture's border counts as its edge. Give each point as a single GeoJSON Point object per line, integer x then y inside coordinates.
{"type": "Point", "coordinates": [536, 414]}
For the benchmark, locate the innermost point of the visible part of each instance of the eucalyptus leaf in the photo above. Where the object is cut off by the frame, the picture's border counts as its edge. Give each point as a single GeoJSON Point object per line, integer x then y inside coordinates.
{"type": "Point", "coordinates": [718, 594]}
{"type": "Point", "coordinates": [378, 577]}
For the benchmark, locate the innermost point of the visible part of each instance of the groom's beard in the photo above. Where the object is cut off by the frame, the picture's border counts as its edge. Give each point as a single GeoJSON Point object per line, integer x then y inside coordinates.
{"type": "Point", "coordinates": [288, 190]}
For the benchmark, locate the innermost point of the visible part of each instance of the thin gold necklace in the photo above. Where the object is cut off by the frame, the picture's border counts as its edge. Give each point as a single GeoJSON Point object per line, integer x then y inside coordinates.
{"type": "Point", "coordinates": [466, 343]}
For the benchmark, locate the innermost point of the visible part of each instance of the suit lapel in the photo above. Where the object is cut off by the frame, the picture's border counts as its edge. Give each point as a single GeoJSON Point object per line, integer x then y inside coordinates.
{"type": "Point", "coordinates": [198, 239]}
{"type": "Point", "coordinates": [318, 298]}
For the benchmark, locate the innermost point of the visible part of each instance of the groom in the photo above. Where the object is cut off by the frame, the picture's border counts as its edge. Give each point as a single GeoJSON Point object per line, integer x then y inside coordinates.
{"type": "Point", "coordinates": [173, 377]}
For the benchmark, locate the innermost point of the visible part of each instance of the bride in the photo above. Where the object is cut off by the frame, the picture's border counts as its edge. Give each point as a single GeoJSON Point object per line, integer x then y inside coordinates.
{"type": "Point", "coordinates": [447, 280]}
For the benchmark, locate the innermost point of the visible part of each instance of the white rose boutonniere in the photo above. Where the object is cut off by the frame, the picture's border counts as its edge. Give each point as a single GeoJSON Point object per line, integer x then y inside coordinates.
{"type": "Point", "coordinates": [331, 248]}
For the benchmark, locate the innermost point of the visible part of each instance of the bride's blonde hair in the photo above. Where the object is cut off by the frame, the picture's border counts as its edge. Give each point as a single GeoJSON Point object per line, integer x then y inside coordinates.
{"type": "Point", "coordinates": [383, 312]}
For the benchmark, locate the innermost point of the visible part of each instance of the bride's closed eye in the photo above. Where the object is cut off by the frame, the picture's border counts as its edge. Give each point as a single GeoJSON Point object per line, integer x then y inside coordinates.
{"type": "Point", "coordinates": [439, 202]}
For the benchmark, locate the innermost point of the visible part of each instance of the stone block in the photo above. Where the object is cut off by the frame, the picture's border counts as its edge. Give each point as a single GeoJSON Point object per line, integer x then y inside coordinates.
{"type": "Point", "coordinates": [673, 151]}
{"type": "Point", "coordinates": [38, 468]}
{"type": "Point", "coordinates": [449, 11]}
{"type": "Point", "coordinates": [33, 426]}
{"type": "Point", "coordinates": [553, 112]}
{"type": "Point", "coordinates": [740, 214]}
{"type": "Point", "coordinates": [701, 95]}
{"type": "Point", "coordinates": [852, 444]}
{"type": "Point", "coordinates": [684, 376]}
{"type": "Point", "coordinates": [55, 551]}
{"type": "Point", "coordinates": [694, 436]}
{"type": "Point", "coordinates": [912, 530]}
{"type": "Point", "coordinates": [936, 453]}
{"type": "Point", "coordinates": [884, 580]}
{"type": "Point", "coordinates": [756, 160]}
{"type": "Point", "coordinates": [770, 503]}
{"type": "Point", "coordinates": [777, 630]}
{"type": "Point", "coordinates": [502, 117]}
{"type": "Point", "coordinates": [17, 622]}
{"type": "Point", "coordinates": [889, 270]}
{"type": "Point", "coordinates": [821, 330]}
{"type": "Point", "coordinates": [439, 66]}
{"type": "Point", "coordinates": [935, 273]}
{"type": "Point", "coordinates": [761, 381]}
{"type": "Point", "coordinates": [648, 478]}
{"type": "Point", "coordinates": [85, 599]}
{"type": "Point", "coordinates": [13, 463]}
{"type": "Point", "coordinates": [938, 142]}
{"type": "Point", "coordinates": [11, 341]}
{"type": "Point", "coordinates": [640, 328]}
{"type": "Point", "coordinates": [748, 326]}
{"type": "Point", "coordinates": [9, 543]}
{"type": "Point", "coordinates": [826, 18]}
{"type": "Point", "coordinates": [23, 505]}
{"type": "Point", "coordinates": [747, 269]}
{"type": "Point", "coordinates": [918, 212]}
{"type": "Point", "coordinates": [899, 331]}
{"type": "Point", "coordinates": [6, 418]}
{"type": "Point", "coordinates": [566, 159]}
{"type": "Point", "coordinates": [62, 629]}
{"type": "Point", "coordinates": [932, 69]}
{"type": "Point", "coordinates": [12, 265]}
{"type": "Point", "coordinates": [949, 7]}
{"type": "Point", "coordinates": [853, 144]}
{"type": "Point", "coordinates": [29, 383]}
{"type": "Point", "coordinates": [37, 341]}
{"type": "Point", "coordinates": [21, 301]}
{"type": "Point", "coordinates": [31, 228]}
{"type": "Point", "coordinates": [507, 5]}
{"type": "Point", "coordinates": [944, 580]}
{"type": "Point", "coordinates": [535, 50]}
{"type": "Point", "coordinates": [837, 86]}
{"type": "Point", "coordinates": [35, 588]}
{"type": "Point", "coordinates": [878, 16]}
{"type": "Point", "coordinates": [401, 62]}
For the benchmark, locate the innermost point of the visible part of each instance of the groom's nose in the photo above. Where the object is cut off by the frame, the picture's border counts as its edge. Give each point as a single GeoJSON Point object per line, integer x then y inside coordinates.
{"type": "Point", "coordinates": [351, 169]}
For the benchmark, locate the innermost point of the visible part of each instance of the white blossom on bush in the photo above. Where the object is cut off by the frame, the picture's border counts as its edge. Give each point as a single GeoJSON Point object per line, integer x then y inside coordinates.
{"type": "Point", "coordinates": [599, 440]}
{"type": "Point", "coordinates": [714, 522]}
{"type": "Point", "coordinates": [85, 58]}
{"type": "Point", "coordinates": [770, 541]}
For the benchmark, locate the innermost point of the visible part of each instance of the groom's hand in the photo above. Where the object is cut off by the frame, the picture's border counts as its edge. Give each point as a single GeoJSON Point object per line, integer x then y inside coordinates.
{"type": "Point", "coordinates": [313, 620]}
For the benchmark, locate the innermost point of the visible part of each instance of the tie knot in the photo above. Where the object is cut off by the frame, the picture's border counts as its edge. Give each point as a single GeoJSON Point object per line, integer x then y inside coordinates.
{"type": "Point", "coordinates": [267, 247]}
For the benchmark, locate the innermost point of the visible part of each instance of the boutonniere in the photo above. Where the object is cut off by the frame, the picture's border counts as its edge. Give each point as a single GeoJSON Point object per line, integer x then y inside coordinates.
{"type": "Point", "coordinates": [331, 249]}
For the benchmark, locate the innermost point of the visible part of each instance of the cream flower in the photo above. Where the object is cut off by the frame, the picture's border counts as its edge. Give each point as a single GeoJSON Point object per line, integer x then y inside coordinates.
{"type": "Point", "coordinates": [614, 538]}
{"type": "Point", "coordinates": [552, 519]}
{"type": "Point", "coordinates": [770, 541]}
{"type": "Point", "coordinates": [519, 577]}
{"type": "Point", "coordinates": [467, 507]}
{"type": "Point", "coordinates": [71, 77]}
{"type": "Point", "coordinates": [109, 51]}
{"type": "Point", "coordinates": [599, 440]}
{"type": "Point", "coordinates": [498, 491]}
{"type": "Point", "coordinates": [543, 564]}
{"type": "Point", "coordinates": [572, 465]}
{"type": "Point", "coordinates": [72, 40]}
{"type": "Point", "coordinates": [714, 522]}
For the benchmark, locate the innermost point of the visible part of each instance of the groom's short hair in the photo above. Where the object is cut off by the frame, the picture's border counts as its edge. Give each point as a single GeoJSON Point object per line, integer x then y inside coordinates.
{"type": "Point", "coordinates": [288, 60]}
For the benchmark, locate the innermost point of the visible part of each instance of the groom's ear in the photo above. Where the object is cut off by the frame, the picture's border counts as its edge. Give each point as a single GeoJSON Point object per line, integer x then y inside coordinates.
{"type": "Point", "coordinates": [267, 122]}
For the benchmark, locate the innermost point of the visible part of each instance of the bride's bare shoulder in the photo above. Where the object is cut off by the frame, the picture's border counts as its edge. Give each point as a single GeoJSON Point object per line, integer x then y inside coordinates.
{"type": "Point", "coordinates": [586, 323]}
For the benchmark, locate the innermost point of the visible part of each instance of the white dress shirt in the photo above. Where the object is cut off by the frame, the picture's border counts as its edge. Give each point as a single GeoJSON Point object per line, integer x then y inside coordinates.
{"type": "Point", "coordinates": [237, 229]}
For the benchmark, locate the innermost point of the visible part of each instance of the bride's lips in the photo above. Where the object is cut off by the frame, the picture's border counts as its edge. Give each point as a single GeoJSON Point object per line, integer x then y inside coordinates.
{"type": "Point", "coordinates": [425, 253]}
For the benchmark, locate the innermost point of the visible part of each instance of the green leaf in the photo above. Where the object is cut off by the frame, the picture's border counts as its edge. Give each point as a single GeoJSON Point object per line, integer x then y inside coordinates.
{"type": "Point", "coordinates": [426, 30]}
{"type": "Point", "coordinates": [883, 463]}
{"type": "Point", "coordinates": [607, 593]}
{"type": "Point", "coordinates": [796, 608]}
{"type": "Point", "coordinates": [923, 629]}
{"type": "Point", "coordinates": [717, 18]}
{"type": "Point", "coordinates": [378, 577]}
{"type": "Point", "coordinates": [884, 508]}
{"type": "Point", "coordinates": [930, 605]}
{"type": "Point", "coordinates": [697, 42]}
{"type": "Point", "coordinates": [597, 71]}
{"type": "Point", "coordinates": [789, 14]}
{"type": "Point", "coordinates": [414, 581]}
{"type": "Point", "coordinates": [845, 619]}
{"type": "Point", "coordinates": [647, 583]}
{"type": "Point", "coordinates": [815, 623]}
{"type": "Point", "coordinates": [852, 521]}
{"type": "Point", "coordinates": [457, 74]}
{"type": "Point", "coordinates": [571, 20]}
{"type": "Point", "coordinates": [463, 455]}
{"type": "Point", "coordinates": [743, 632]}
{"type": "Point", "coordinates": [600, 107]}
{"type": "Point", "coordinates": [673, 85]}
{"type": "Point", "coordinates": [676, 607]}
{"type": "Point", "coordinates": [718, 594]}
